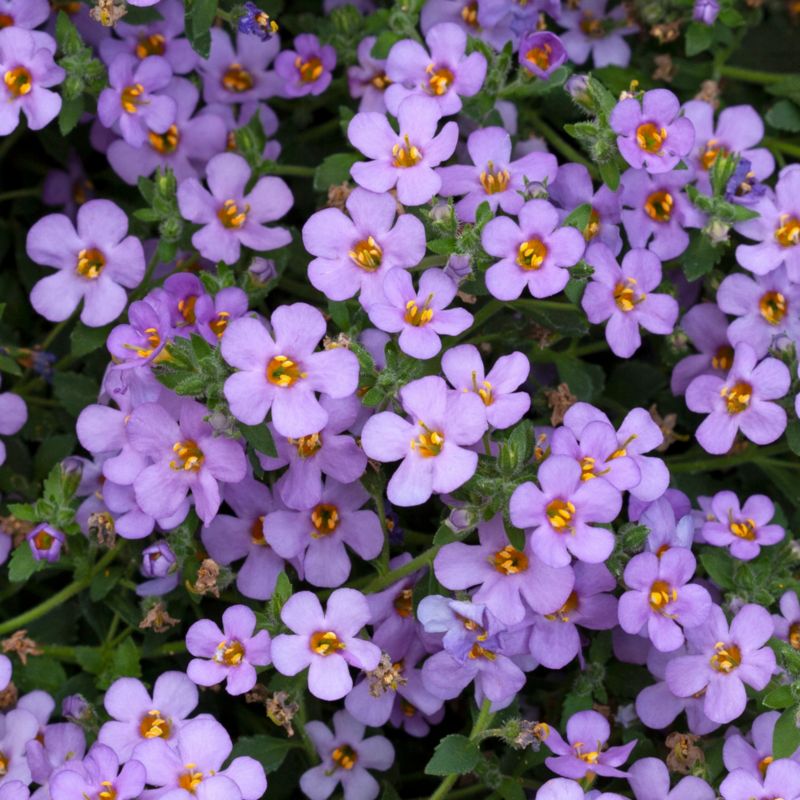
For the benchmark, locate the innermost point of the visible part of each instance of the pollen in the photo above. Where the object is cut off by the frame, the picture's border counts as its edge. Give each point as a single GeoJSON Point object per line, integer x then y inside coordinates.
{"type": "Point", "coordinates": [726, 658]}
{"type": "Point", "coordinates": [723, 358]}
{"type": "Point", "coordinates": [494, 181]}
{"type": "Point", "coordinates": [91, 263]}
{"type": "Point", "coordinates": [625, 295]}
{"type": "Point", "coordinates": [230, 215]}
{"type": "Point", "coordinates": [484, 390]}
{"type": "Point", "coordinates": [18, 81]}
{"type": "Point", "coordinates": [325, 519]}
{"type": "Point", "coordinates": [592, 226]}
{"type": "Point", "coordinates": [510, 561]}
{"type": "Point", "coordinates": [470, 14]}
{"type": "Point", "coordinates": [712, 151]}
{"type": "Point", "coordinates": [745, 529]}
{"type": "Point", "coordinates": [189, 456]}
{"type": "Point", "coordinates": [380, 81]}
{"type": "Point", "coordinates": [650, 137]}
{"type": "Point", "coordinates": [282, 371]}
{"type": "Point", "coordinates": [325, 643]}
{"type": "Point", "coordinates": [772, 306]}
{"type": "Point", "coordinates": [591, 26]}
{"type": "Point", "coordinates": [787, 235]}
{"type": "Point", "coordinates": [237, 79]}
{"type": "Point", "coordinates": [367, 254]}
{"type": "Point", "coordinates": [540, 56]}
{"type": "Point", "coordinates": [589, 757]}
{"type": "Point", "coordinates": [531, 254]}
{"type": "Point", "coordinates": [6, 21]}
{"type": "Point", "coordinates": [267, 25]}
{"type": "Point", "coordinates": [107, 791]}
{"type": "Point", "coordinates": [257, 532]}
{"type": "Point", "coordinates": [416, 316]}
{"type": "Point", "coordinates": [440, 79]}
{"type": "Point", "coordinates": [661, 595]}
{"type": "Point", "coordinates": [478, 651]}
{"type": "Point", "coordinates": [165, 143]}
{"type": "Point", "coordinates": [309, 69]}
{"type": "Point", "coordinates": [3, 764]}
{"type": "Point", "coordinates": [429, 443]}
{"type": "Point", "coordinates": [659, 205]}
{"type": "Point", "coordinates": [763, 764]}
{"type": "Point", "coordinates": [560, 514]}
{"type": "Point", "coordinates": [190, 779]}
{"type": "Point", "coordinates": [307, 446]}
{"type": "Point", "coordinates": [567, 610]}
{"type": "Point", "coordinates": [406, 154]}
{"type": "Point", "coordinates": [794, 635]}
{"type": "Point", "coordinates": [153, 45]}
{"type": "Point", "coordinates": [154, 726]}
{"type": "Point", "coordinates": [737, 397]}
{"type": "Point", "coordinates": [186, 306]}
{"type": "Point", "coordinates": [230, 654]}
{"type": "Point", "coordinates": [219, 324]}
{"type": "Point", "coordinates": [344, 756]}
{"type": "Point", "coordinates": [403, 603]}
{"type": "Point", "coordinates": [131, 98]}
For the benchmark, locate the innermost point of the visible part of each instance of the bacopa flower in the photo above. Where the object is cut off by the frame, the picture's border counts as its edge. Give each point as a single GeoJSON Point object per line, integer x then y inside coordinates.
{"type": "Point", "coordinates": [229, 217]}
{"type": "Point", "coordinates": [308, 69]}
{"type": "Point", "coordinates": [28, 14]}
{"type": "Point", "coordinates": [28, 72]}
{"type": "Point", "coordinates": [367, 80]}
{"type": "Point", "coordinates": [97, 774]}
{"type": "Point", "coordinates": [649, 779]}
{"type": "Point", "coordinates": [419, 316]}
{"type": "Point", "coordinates": [743, 529]}
{"type": "Point", "coordinates": [432, 444]}
{"type": "Point", "coordinates": [740, 402]}
{"type": "Point", "coordinates": [565, 789]}
{"type": "Point", "coordinates": [661, 597]}
{"type": "Point", "coordinates": [495, 178]}
{"type": "Point", "coordinates": [95, 259]}
{"type": "Point", "coordinates": [46, 543]}
{"type": "Point", "coordinates": [230, 654]}
{"type": "Point", "coordinates": [257, 22]}
{"type": "Point", "coordinates": [346, 756]}
{"type": "Point", "coordinates": [651, 134]}
{"type": "Point", "coordinates": [541, 53]}
{"type": "Point", "coordinates": [787, 624]}
{"type": "Point", "coordinates": [13, 415]}
{"type": "Point", "coordinates": [622, 294]}
{"type": "Point", "coordinates": [594, 31]}
{"type": "Point", "coordinates": [355, 253]}
{"type": "Point", "coordinates": [533, 253]}
{"type": "Point", "coordinates": [781, 779]}
{"type": "Point", "coordinates": [282, 372]}
{"type": "Point", "coordinates": [17, 728]}
{"type": "Point", "coordinates": [706, 327]}
{"type": "Point", "coordinates": [159, 564]}
{"type": "Point", "coordinates": [5, 672]}
{"type": "Point", "coordinates": [326, 642]}
{"type": "Point", "coordinates": [405, 159]}
{"type": "Point", "coordinates": [723, 659]}
{"type": "Point", "coordinates": [753, 754]}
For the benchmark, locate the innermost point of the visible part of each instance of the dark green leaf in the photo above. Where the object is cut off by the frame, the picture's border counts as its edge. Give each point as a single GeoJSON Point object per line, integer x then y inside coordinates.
{"type": "Point", "coordinates": [75, 391]}
{"type": "Point", "coordinates": [793, 436]}
{"type": "Point", "coordinates": [785, 116]}
{"type": "Point", "coordinates": [71, 111]}
{"type": "Point", "coordinates": [584, 380]}
{"type": "Point", "coordinates": [719, 566]}
{"type": "Point", "coordinates": [779, 698]}
{"type": "Point", "coordinates": [334, 170]}
{"type": "Point", "coordinates": [260, 438]}
{"type": "Point", "coordinates": [579, 217]}
{"type": "Point", "coordinates": [454, 755]}
{"type": "Point", "coordinates": [566, 321]}
{"type": "Point", "coordinates": [700, 257]}
{"type": "Point", "coordinates": [41, 672]}
{"type": "Point", "coordinates": [786, 736]}
{"type": "Point", "coordinates": [199, 17]}
{"type": "Point", "coordinates": [384, 44]}
{"type": "Point", "coordinates": [22, 564]}
{"type": "Point", "coordinates": [269, 751]}
{"type": "Point", "coordinates": [86, 340]}
{"type": "Point", "coordinates": [9, 365]}
{"type": "Point", "coordinates": [609, 173]}
{"type": "Point", "coordinates": [698, 38]}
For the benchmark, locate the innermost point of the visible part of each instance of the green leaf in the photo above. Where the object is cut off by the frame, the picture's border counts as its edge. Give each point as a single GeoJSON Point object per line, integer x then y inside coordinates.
{"type": "Point", "coordinates": [333, 170]}
{"type": "Point", "coordinates": [389, 792]}
{"type": "Point", "coordinates": [124, 662]}
{"type": "Point", "coordinates": [698, 38]}
{"type": "Point", "coordinates": [786, 736]}
{"type": "Point", "coordinates": [75, 391]}
{"type": "Point", "coordinates": [41, 672]}
{"type": "Point", "coordinates": [22, 564]}
{"type": "Point", "coordinates": [86, 340]}
{"type": "Point", "coordinates": [71, 111]}
{"type": "Point", "coordinates": [785, 116]}
{"type": "Point", "coordinates": [142, 16]}
{"type": "Point", "coordinates": [584, 380]}
{"type": "Point", "coordinates": [340, 314]}
{"type": "Point", "coordinates": [719, 566]}
{"type": "Point", "coordinates": [793, 436]}
{"type": "Point", "coordinates": [260, 438]}
{"type": "Point", "coordinates": [9, 365]}
{"type": "Point", "coordinates": [609, 173]}
{"type": "Point", "coordinates": [569, 321]}
{"type": "Point", "coordinates": [384, 44]}
{"type": "Point", "coordinates": [516, 536]}
{"type": "Point", "coordinates": [579, 217]}
{"type": "Point", "coordinates": [700, 257]}
{"type": "Point", "coordinates": [780, 698]}
{"type": "Point", "coordinates": [269, 751]}
{"type": "Point", "coordinates": [52, 450]}
{"type": "Point", "coordinates": [103, 583]}
{"type": "Point", "coordinates": [786, 87]}
{"type": "Point", "coordinates": [67, 36]}
{"type": "Point", "coordinates": [199, 18]}
{"type": "Point", "coordinates": [454, 755]}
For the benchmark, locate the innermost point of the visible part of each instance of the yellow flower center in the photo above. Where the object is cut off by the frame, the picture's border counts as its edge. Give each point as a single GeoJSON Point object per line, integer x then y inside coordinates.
{"type": "Point", "coordinates": [325, 519]}
{"type": "Point", "coordinates": [307, 446]}
{"type": "Point", "coordinates": [625, 295]}
{"type": "Point", "coordinates": [477, 651]}
{"type": "Point", "coordinates": [658, 206]}
{"type": "Point", "coordinates": [763, 764]}
{"type": "Point", "coordinates": [237, 79]}
{"type": "Point", "coordinates": [404, 604]}
{"type": "Point", "coordinates": [540, 56]}
{"type": "Point", "coordinates": [711, 153]}
{"type": "Point", "coordinates": [416, 316]}
{"type": "Point", "coordinates": [219, 323]}
{"type": "Point", "coordinates": [510, 561]}
{"type": "Point", "coordinates": [661, 595]}
{"type": "Point", "coordinates": [309, 69]}
{"type": "Point", "coordinates": [165, 143]}
{"type": "Point", "coordinates": [325, 643]}
{"type": "Point", "coordinates": [18, 81]}
{"type": "Point", "coordinates": [406, 154]}
{"type": "Point", "coordinates": [189, 456]}
{"type": "Point", "coordinates": [380, 81]}
{"type": "Point", "coordinates": [589, 468]}
{"type": "Point", "coordinates": [257, 532]}
{"type": "Point", "coordinates": [262, 19]}
{"type": "Point", "coordinates": [190, 779]}
{"type": "Point", "coordinates": [344, 756]}
{"type": "Point", "coordinates": [43, 540]}
{"type": "Point", "coordinates": [186, 309]}
{"type": "Point", "coordinates": [589, 757]}
{"type": "Point", "coordinates": [484, 391]}
{"type": "Point", "coordinates": [107, 791]}
{"type": "Point", "coordinates": [230, 215]}
{"type": "Point", "coordinates": [788, 234]}
{"type": "Point", "coordinates": [726, 658]}
{"type": "Point", "coordinates": [772, 306]}
{"type": "Point", "coordinates": [723, 358]}
{"type": "Point", "coordinates": [591, 26]}
{"type": "Point", "coordinates": [6, 20]}
{"type": "Point", "coordinates": [440, 79]}
{"type": "Point", "coordinates": [794, 635]}
{"type": "Point", "coordinates": [153, 45]}
{"type": "Point", "coordinates": [560, 513]}
{"type": "Point", "coordinates": [91, 263]}
{"type": "Point", "coordinates": [531, 254]}
{"type": "Point", "coordinates": [651, 138]}
{"type": "Point", "coordinates": [570, 607]}
{"type": "Point", "coordinates": [470, 14]}
{"type": "Point", "coordinates": [282, 371]}
{"type": "Point", "coordinates": [367, 254]}
{"type": "Point", "coordinates": [228, 653]}
{"type": "Point", "coordinates": [429, 443]}
{"type": "Point", "coordinates": [592, 226]}
{"type": "Point", "coordinates": [131, 98]}
{"type": "Point", "coordinates": [746, 529]}
{"type": "Point", "coordinates": [737, 397]}
{"type": "Point", "coordinates": [494, 181]}
{"type": "Point", "coordinates": [154, 726]}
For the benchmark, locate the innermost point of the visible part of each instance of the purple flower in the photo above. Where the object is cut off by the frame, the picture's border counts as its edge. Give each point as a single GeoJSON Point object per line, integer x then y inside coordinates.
{"type": "Point", "coordinates": [651, 132]}
{"type": "Point", "coordinates": [230, 654]}
{"type": "Point", "coordinates": [781, 779]}
{"type": "Point", "coordinates": [68, 188]}
{"type": "Point", "coordinates": [622, 294]}
{"type": "Point", "coordinates": [187, 457]}
{"type": "Point", "coordinates": [787, 625]}
{"type": "Point", "coordinates": [594, 31]}
{"type": "Point", "coordinates": [27, 14]}
{"type": "Point", "coordinates": [443, 71]}
{"type": "Point", "coordinates": [214, 314]}
{"type": "Point", "coordinates": [17, 728]}
{"type": "Point", "coordinates": [5, 672]}
{"type": "Point", "coordinates": [318, 535]}
{"type": "Point", "coordinates": [494, 178]}
{"type": "Point", "coordinates": [13, 415]}
{"type": "Point", "coordinates": [533, 253]}
{"type": "Point", "coordinates": [661, 597]}
{"type": "Point", "coordinates": [136, 716]}
{"type": "Point", "coordinates": [192, 767]}
{"type": "Point", "coordinates": [722, 660]}
{"type": "Point", "coordinates": [431, 444]}
{"type": "Point", "coordinates": [14, 790]}
{"type": "Point", "coordinates": [585, 749]}
{"type": "Point", "coordinates": [94, 262]}
{"type": "Point", "coordinates": [257, 22]}
{"type": "Point", "coordinates": [743, 187]}
{"type": "Point", "coordinates": [463, 368]}
{"type": "Point", "coordinates": [346, 756]}
{"type": "Point", "coordinates": [325, 641]}
{"type": "Point", "coordinates": [98, 773]}
{"type": "Point", "coordinates": [740, 401]}
{"type": "Point", "coordinates": [649, 779]}
{"type": "Point", "coordinates": [419, 317]}
{"type": "Point", "coordinates": [307, 69]}
{"type": "Point", "coordinates": [46, 543]}
{"type": "Point", "coordinates": [405, 159]}
{"type": "Point", "coordinates": [706, 327]}
{"type": "Point", "coordinates": [229, 217]}
{"type": "Point", "coordinates": [743, 529]}
{"type": "Point", "coordinates": [541, 53]}
{"type": "Point", "coordinates": [28, 70]}
{"type": "Point", "coordinates": [367, 80]}
{"type": "Point", "coordinates": [705, 11]}
{"type": "Point", "coordinates": [284, 373]}
{"type": "Point", "coordinates": [356, 253]}
{"type": "Point", "coordinates": [560, 513]}
{"type": "Point", "coordinates": [161, 567]}
{"type": "Point", "coordinates": [511, 581]}
{"type": "Point", "coordinates": [755, 758]}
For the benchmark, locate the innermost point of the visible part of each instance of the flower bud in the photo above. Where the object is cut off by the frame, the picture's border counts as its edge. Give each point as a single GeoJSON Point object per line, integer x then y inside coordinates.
{"type": "Point", "coordinates": [45, 543]}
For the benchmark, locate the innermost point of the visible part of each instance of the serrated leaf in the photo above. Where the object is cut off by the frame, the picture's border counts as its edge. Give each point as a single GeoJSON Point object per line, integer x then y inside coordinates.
{"type": "Point", "coordinates": [71, 111]}
{"type": "Point", "coordinates": [333, 170]}
{"type": "Point", "coordinates": [75, 391]}
{"type": "Point", "coordinates": [22, 564]}
{"type": "Point", "coordinates": [41, 672]}
{"type": "Point", "coordinates": [719, 566]}
{"type": "Point", "coordinates": [85, 340]}
{"type": "Point", "coordinates": [269, 751]}
{"type": "Point", "coordinates": [786, 736]}
{"type": "Point", "coordinates": [199, 19]}
{"type": "Point", "coordinates": [260, 438]}
{"type": "Point", "coordinates": [785, 116]}
{"type": "Point", "coordinates": [454, 755]}
{"type": "Point", "coordinates": [698, 38]}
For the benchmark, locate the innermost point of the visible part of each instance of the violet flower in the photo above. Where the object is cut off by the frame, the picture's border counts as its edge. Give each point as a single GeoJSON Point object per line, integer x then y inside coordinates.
{"type": "Point", "coordinates": [755, 758]}
{"type": "Point", "coordinates": [17, 728]}
{"type": "Point", "coordinates": [5, 672]}
{"type": "Point", "coordinates": [740, 401]}
{"type": "Point", "coordinates": [160, 566]}
{"type": "Point", "coordinates": [99, 772]}
{"type": "Point", "coordinates": [495, 178]}
{"type": "Point", "coordinates": [744, 529]}
{"type": "Point", "coordinates": [326, 642]}
{"type": "Point", "coordinates": [541, 53]}
{"type": "Point", "coordinates": [781, 779]}
{"type": "Point", "coordinates": [13, 415]}
{"type": "Point", "coordinates": [706, 327]}
{"type": "Point", "coordinates": [230, 217]}
{"type": "Point", "coordinates": [46, 543]}
{"type": "Point", "coordinates": [28, 14]}
{"type": "Point", "coordinates": [308, 69]}
{"type": "Point", "coordinates": [14, 790]}
{"type": "Point", "coordinates": [282, 372]}
{"type": "Point", "coordinates": [68, 188]}
{"type": "Point", "coordinates": [565, 789]}
{"type": "Point", "coordinates": [622, 294]}
{"type": "Point", "coordinates": [649, 780]}
{"type": "Point", "coordinates": [787, 624]}
{"type": "Point", "coordinates": [591, 30]}
{"type": "Point", "coordinates": [405, 159]}
{"type": "Point", "coordinates": [95, 259]}
{"type": "Point", "coordinates": [257, 22]}
{"type": "Point", "coordinates": [706, 11]}
{"type": "Point", "coordinates": [367, 80]}
{"type": "Point", "coordinates": [214, 314]}
{"type": "Point", "coordinates": [419, 317]}
{"type": "Point", "coordinates": [432, 444]}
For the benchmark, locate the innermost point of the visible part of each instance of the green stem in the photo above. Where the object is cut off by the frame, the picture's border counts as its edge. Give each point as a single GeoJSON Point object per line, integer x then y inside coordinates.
{"type": "Point", "coordinates": [384, 581]}
{"type": "Point", "coordinates": [17, 193]}
{"type": "Point", "coordinates": [759, 76]}
{"type": "Point", "coordinates": [564, 147]}
{"type": "Point", "coordinates": [481, 723]}
{"type": "Point", "coordinates": [144, 286]}
{"type": "Point", "coordinates": [291, 169]}
{"type": "Point", "coordinates": [781, 146]}
{"type": "Point", "coordinates": [432, 261]}
{"type": "Point", "coordinates": [380, 508]}
{"type": "Point", "coordinates": [691, 463]}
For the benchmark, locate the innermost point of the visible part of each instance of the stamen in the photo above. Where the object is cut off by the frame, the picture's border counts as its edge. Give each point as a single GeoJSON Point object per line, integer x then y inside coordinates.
{"type": "Point", "coordinates": [407, 154]}
{"type": "Point", "coordinates": [560, 513]}
{"type": "Point", "coordinates": [510, 561]}
{"type": "Point", "coordinates": [658, 206]}
{"type": "Point", "coordinates": [440, 79]}
{"type": "Point", "coordinates": [661, 595]}
{"type": "Point", "coordinates": [190, 456]}
{"type": "Point", "coordinates": [367, 254]}
{"type": "Point", "coordinates": [484, 391]}
{"type": "Point", "coordinates": [186, 309]}
{"type": "Point", "coordinates": [344, 756]}
{"type": "Point", "coordinates": [325, 519]}
{"type": "Point", "coordinates": [711, 153]}
{"type": "Point", "coordinates": [18, 81]}
{"type": "Point", "coordinates": [307, 446]}
{"type": "Point", "coordinates": [788, 235]}
{"type": "Point", "coordinates": [591, 26]}
{"type": "Point", "coordinates": [416, 316]}
{"type": "Point", "coordinates": [237, 79]}
{"type": "Point", "coordinates": [190, 779]}
{"type": "Point", "coordinates": [794, 635]}
{"type": "Point", "coordinates": [625, 295]}
{"type": "Point", "coordinates": [230, 653]}
{"type": "Point", "coordinates": [726, 658]}
{"type": "Point", "coordinates": [737, 398]}
{"type": "Point", "coordinates": [282, 371]}
{"type": "Point", "coordinates": [592, 226]}
{"type": "Point", "coordinates": [650, 138]}
{"type": "Point", "coordinates": [219, 323]}
{"type": "Point", "coordinates": [108, 792]}
{"type": "Point", "coordinates": [403, 603]}
{"type": "Point", "coordinates": [531, 254]}
{"type": "Point", "coordinates": [494, 181]}
{"type": "Point", "coordinates": [723, 358]}
{"type": "Point", "coordinates": [481, 652]}
{"type": "Point", "coordinates": [257, 532]}
{"type": "Point", "coordinates": [744, 529]}
{"type": "Point", "coordinates": [91, 263]}
{"type": "Point", "coordinates": [230, 215]}
{"type": "Point", "coordinates": [772, 306]}
{"type": "Point", "coordinates": [570, 606]}
{"type": "Point", "coordinates": [540, 56]}
{"type": "Point", "coordinates": [153, 45]}
{"type": "Point", "coordinates": [309, 70]}
{"type": "Point", "coordinates": [470, 14]}
{"type": "Point", "coordinates": [429, 443]}
{"type": "Point", "coordinates": [380, 81]}
{"type": "Point", "coordinates": [165, 143]}
{"type": "Point", "coordinates": [131, 98]}
{"type": "Point", "coordinates": [154, 726]}
{"type": "Point", "coordinates": [325, 643]}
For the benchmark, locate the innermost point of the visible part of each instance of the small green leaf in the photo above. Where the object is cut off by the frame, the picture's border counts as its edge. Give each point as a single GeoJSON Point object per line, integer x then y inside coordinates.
{"type": "Point", "coordinates": [609, 173]}
{"type": "Point", "coordinates": [793, 436]}
{"type": "Point", "coordinates": [71, 111]}
{"type": "Point", "coordinates": [579, 217]}
{"type": "Point", "coordinates": [779, 698]}
{"type": "Point", "coordinates": [75, 391]}
{"type": "Point", "coordinates": [269, 751]}
{"type": "Point", "coordinates": [22, 564]}
{"type": "Point", "coordinates": [260, 438]}
{"type": "Point", "coordinates": [700, 257]}
{"type": "Point", "coordinates": [719, 566]}
{"type": "Point", "coordinates": [785, 116]}
{"type": "Point", "coordinates": [786, 736]}
{"type": "Point", "coordinates": [454, 755]}
{"type": "Point", "coordinates": [199, 19]}
{"type": "Point", "coordinates": [698, 38]}
{"type": "Point", "coordinates": [333, 170]}
{"type": "Point", "coordinates": [86, 340]}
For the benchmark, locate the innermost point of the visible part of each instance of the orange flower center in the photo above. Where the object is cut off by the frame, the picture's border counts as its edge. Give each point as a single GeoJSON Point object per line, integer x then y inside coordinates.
{"type": "Point", "coordinates": [712, 152]}
{"type": "Point", "coordinates": [237, 79]}
{"type": "Point", "coordinates": [91, 263]}
{"type": "Point", "coordinates": [325, 643]}
{"type": "Point", "coordinates": [737, 397]}
{"type": "Point", "coordinates": [282, 371]}
{"type": "Point", "coordinates": [406, 154]}
{"type": "Point", "coordinates": [723, 358]}
{"type": "Point", "coordinates": [560, 513]}
{"type": "Point", "coordinates": [591, 26]}
{"type": "Point", "coordinates": [470, 14]}
{"type": "Point", "coordinates": [429, 443]}
{"type": "Point", "coordinates": [230, 215]}
{"type": "Point", "coordinates": [440, 79]}
{"type": "Point", "coordinates": [325, 519]}
{"type": "Point", "coordinates": [153, 45]}
{"type": "Point", "coordinates": [307, 446]}
{"type": "Point", "coordinates": [746, 529]}
{"type": "Point", "coordinates": [651, 138]}
{"type": "Point", "coordinates": [257, 532]}
{"type": "Point", "coordinates": [309, 70]}
{"type": "Point", "coordinates": [228, 653]}
{"type": "Point", "coordinates": [344, 757]}
{"type": "Point", "coordinates": [6, 20]}
{"type": "Point", "coordinates": [531, 254]}
{"type": "Point", "coordinates": [367, 254]}
{"type": "Point", "coordinates": [794, 635]}
{"type": "Point", "coordinates": [540, 56]}
{"type": "Point", "coordinates": [18, 81]}
{"type": "Point", "coordinates": [416, 316]}
{"type": "Point", "coordinates": [592, 226]}
{"type": "Point", "coordinates": [154, 726]}
{"type": "Point", "coordinates": [494, 181]}
{"type": "Point", "coordinates": [219, 324]}
{"type": "Point", "coordinates": [625, 295]}
{"type": "Point", "coordinates": [510, 561]}
{"type": "Point", "coordinates": [661, 595]}
{"type": "Point", "coordinates": [403, 603]}
{"type": "Point", "coordinates": [189, 456]}
{"type": "Point", "coordinates": [772, 306]}
{"type": "Point", "coordinates": [658, 206]}
{"type": "Point", "coordinates": [190, 779]}
{"type": "Point", "coordinates": [570, 607]}
{"type": "Point", "coordinates": [788, 234]}
{"type": "Point", "coordinates": [165, 143]}
{"type": "Point", "coordinates": [131, 98]}
{"type": "Point", "coordinates": [726, 658]}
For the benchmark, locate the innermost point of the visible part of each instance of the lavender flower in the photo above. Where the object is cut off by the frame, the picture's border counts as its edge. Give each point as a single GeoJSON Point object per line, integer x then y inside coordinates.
{"type": "Point", "coordinates": [787, 624]}
{"type": "Point", "coordinates": [13, 415]}
{"type": "Point", "coordinates": [17, 728]}
{"type": "Point", "coordinates": [307, 69]}
{"type": "Point", "coordinates": [706, 327]}
{"type": "Point", "coordinates": [743, 529]}
{"type": "Point", "coordinates": [160, 566]}
{"type": "Point", "coordinates": [755, 758]}
{"type": "Point", "coordinates": [367, 80]}
{"type": "Point", "coordinates": [781, 779]}
{"type": "Point", "coordinates": [98, 773]}
{"type": "Point", "coordinates": [594, 31]}
{"type": "Point", "coordinates": [5, 672]}
{"type": "Point", "coordinates": [46, 543]}
{"type": "Point", "coordinates": [257, 22]}
{"type": "Point", "coordinates": [541, 53]}
{"type": "Point", "coordinates": [649, 779]}
{"type": "Point", "coordinates": [28, 14]}
{"type": "Point", "coordinates": [705, 11]}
